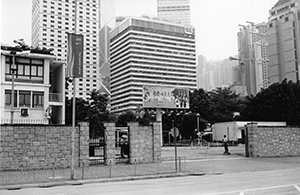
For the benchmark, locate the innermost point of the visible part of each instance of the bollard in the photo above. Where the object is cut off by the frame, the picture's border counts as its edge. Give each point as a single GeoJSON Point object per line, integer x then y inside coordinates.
{"type": "Point", "coordinates": [206, 151]}
{"type": "Point", "coordinates": [53, 170]}
{"type": "Point", "coordinates": [110, 169]}
{"type": "Point", "coordinates": [158, 168]}
{"type": "Point", "coordinates": [184, 163]}
{"type": "Point", "coordinates": [179, 159]}
{"type": "Point", "coordinates": [82, 170]}
{"type": "Point", "coordinates": [134, 167]}
{"type": "Point", "coordinates": [22, 168]}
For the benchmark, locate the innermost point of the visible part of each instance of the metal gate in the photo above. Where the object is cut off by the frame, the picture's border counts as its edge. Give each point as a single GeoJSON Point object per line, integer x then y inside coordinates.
{"type": "Point", "coordinates": [122, 145]}
{"type": "Point", "coordinates": [97, 151]}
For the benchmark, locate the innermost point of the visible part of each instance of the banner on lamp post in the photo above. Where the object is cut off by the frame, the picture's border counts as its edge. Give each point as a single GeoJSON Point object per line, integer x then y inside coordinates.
{"type": "Point", "coordinates": [75, 56]}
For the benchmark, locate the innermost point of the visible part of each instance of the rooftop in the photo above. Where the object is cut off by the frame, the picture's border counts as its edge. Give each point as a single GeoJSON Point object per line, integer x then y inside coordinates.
{"type": "Point", "coordinates": [280, 2]}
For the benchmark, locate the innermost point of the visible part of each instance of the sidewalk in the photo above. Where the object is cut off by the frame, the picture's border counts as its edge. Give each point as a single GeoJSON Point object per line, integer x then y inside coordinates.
{"type": "Point", "coordinates": [194, 161]}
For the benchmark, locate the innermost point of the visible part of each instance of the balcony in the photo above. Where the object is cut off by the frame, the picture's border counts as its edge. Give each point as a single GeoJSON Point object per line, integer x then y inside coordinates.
{"type": "Point", "coordinates": [56, 98]}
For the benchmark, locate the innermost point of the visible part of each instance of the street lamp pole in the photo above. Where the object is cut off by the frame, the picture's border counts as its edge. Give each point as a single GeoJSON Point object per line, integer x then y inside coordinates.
{"type": "Point", "coordinates": [198, 124]}
{"type": "Point", "coordinates": [175, 143]}
{"type": "Point", "coordinates": [13, 69]}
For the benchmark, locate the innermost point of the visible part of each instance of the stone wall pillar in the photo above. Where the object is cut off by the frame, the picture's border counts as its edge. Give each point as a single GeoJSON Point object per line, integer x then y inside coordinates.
{"type": "Point", "coordinates": [84, 143]}
{"type": "Point", "coordinates": [134, 156]}
{"type": "Point", "coordinates": [251, 138]}
{"type": "Point", "coordinates": [157, 140]}
{"type": "Point", "coordinates": [110, 140]}
{"type": "Point", "coordinates": [144, 143]}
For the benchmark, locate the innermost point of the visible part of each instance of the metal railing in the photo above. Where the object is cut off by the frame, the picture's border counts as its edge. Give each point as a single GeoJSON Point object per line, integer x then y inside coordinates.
{"type": "Point", "coordinates": [24, 121]}
{"type": "Point", "coordinates": [57, 174]}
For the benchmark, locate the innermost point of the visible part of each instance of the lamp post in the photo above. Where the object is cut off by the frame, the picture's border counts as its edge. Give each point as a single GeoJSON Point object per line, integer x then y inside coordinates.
{"type": "Point", "coordinates": [13, 69]}
{"type": "Point", "coordinates": [198, 124]}
{"type": "Point", "coordinates": [173, 117]}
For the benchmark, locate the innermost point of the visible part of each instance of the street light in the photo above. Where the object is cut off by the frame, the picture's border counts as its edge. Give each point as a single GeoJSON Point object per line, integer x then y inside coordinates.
{"type": "Point", "coordinates": [13, 69]}
{"type": "Point", "coordinates": [173, 117]}
{"type": "Point", "coordinates": [198, 124]}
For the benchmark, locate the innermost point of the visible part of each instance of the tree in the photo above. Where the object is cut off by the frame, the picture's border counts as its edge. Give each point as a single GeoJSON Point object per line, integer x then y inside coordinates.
{"type": "Point", "coordinates": [94, 110]}
{"type": "Point", "coordinates": [217, 105]}
{"type": "Point", "coordinates": [188, 126]}
{"type": "Point", "coordinates": [81, 110]}
{"type": "Point", "coordinates": [224, 103]}
{"type": "Point", "coordinates": [125, 117]}
{"type": "Point", "coordinates": [279, 102]}
{"type": "Point", "coordinates": [200, 103]}
{"type": "Point", "coordinates": [98, 113]}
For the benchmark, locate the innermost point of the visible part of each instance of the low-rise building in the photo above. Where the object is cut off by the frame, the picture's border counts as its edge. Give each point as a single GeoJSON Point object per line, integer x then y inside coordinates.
{"type": "Point", "coordinates": [37, 81]}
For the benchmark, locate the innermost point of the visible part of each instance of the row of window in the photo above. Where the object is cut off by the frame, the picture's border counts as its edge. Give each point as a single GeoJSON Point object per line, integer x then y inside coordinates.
{"type": "Point", "coordinates": [26, 68]}
{"type": "Point", "coordinates": [30, 99]}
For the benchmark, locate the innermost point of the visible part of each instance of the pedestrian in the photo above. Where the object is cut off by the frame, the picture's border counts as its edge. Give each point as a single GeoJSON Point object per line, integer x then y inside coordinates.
{"type": "Point", "coordinates": [225, 142]}
{"type": "Point", "coordinates": [124, 145]}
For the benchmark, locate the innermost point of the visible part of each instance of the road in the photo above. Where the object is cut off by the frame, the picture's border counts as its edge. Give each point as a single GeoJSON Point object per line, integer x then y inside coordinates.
{"type": "Point", "coordinates": [274, 182]}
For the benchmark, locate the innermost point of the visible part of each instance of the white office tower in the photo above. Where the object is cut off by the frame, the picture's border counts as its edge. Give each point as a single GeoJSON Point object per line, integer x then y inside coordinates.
{"type": "Point", "coordinates": [284, 41]}
{"type": "Point", "coordinates": [252, 46]}
{"type": "Point", "coordinates": [53, 19]}
{"type": "Point", "coordinates": [177, 11]}
{"type": "Point", "coordinates": [145, 51]}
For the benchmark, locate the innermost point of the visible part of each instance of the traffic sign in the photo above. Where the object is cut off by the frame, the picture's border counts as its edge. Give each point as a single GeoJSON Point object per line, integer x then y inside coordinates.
{"type": "Point", "coordinates": [176, 132]}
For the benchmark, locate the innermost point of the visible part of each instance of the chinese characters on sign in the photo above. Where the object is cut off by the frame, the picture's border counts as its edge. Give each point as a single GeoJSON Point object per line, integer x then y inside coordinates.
{"type": "Point", "coordinates": [165, 97]}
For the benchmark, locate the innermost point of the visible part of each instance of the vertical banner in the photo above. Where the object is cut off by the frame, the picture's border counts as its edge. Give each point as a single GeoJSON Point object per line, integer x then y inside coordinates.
{"type": "Point", "coordinates": [75, 56]}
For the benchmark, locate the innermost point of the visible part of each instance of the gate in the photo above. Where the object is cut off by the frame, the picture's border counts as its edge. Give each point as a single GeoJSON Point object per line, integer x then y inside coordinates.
{"type": "Point", "coordinates": [97, 151]}
{"type": "Point", "coordinates": [122, 145]}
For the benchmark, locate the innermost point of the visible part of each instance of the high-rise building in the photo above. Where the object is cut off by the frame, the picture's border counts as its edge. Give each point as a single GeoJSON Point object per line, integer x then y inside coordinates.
{"type": "Point", "coordinates": [52, 20]}
{"type": "Point", "coordinates": [177, 11]}
{"type": "Point", "coordinates": [284, 41]}
{"type": "Point", "coordinates": [214, 73]}
{"type": "Point", "coordinates": [252, 47]}
{"type": "Point", "coordinates": [151, 52]}
{"type": "Point", "coordinates": [108, 21]}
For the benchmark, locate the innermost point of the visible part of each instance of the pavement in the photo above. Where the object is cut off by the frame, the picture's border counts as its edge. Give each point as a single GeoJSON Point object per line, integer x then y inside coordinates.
{"type": "Point", "coordinates": [197, 160]}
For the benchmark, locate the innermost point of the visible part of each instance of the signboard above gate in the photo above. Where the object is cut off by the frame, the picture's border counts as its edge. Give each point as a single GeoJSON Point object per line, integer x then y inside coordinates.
{"type": "Point", "coordinates": [165, 97]}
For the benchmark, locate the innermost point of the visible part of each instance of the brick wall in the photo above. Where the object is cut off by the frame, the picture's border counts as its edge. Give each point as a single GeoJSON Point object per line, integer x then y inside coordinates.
{"type": "Point", "coordinates": [273, 141]}
{"type": "Point", "coordinates": [41, 147]}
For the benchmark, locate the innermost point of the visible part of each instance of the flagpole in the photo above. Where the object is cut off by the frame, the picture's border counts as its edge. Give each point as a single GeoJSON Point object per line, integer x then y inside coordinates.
{"type": "Point", "coordinates": [74, 109]}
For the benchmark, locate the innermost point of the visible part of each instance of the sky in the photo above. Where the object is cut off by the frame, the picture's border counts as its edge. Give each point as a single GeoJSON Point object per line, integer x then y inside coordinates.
{"type": "Point", "coordinates": [215, 21]}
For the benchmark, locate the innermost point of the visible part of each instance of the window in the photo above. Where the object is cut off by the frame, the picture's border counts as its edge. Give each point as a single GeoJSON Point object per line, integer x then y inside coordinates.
{"type": "Point", "coordinates": [24, 98]}
{"type": "Point", "coordinates": [8, 98]}
{"type": "Point", "coordinates": [26, 68]}
{"type": "Point", "coordinates": [270, 25]}
{"type": "Point", "coordinates": [38, 99]}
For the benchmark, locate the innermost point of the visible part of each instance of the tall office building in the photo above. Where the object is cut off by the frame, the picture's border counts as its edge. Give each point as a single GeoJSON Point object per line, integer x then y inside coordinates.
{"type": "Point", "coordinates": [177, 11]}
{"type": "Point", "coordinates": [252, 47]}
{"type": "Point", "coordinates": [53, 19]}
{"type": "Point", "coordinates": [284, 41]}
{"type": "Point", "coordinates": [151, 52]}
{"type": "Point", "coordinates": [108, 21]}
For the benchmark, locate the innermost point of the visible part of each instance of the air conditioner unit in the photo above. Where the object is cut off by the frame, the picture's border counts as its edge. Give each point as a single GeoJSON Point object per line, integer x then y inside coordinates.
{"type": "Point", "coordinates": [24, 111]}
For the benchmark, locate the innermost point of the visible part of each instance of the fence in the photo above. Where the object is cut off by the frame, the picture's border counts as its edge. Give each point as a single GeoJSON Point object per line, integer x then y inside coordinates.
{"type": "Point", "coordinates": [58, 174]}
